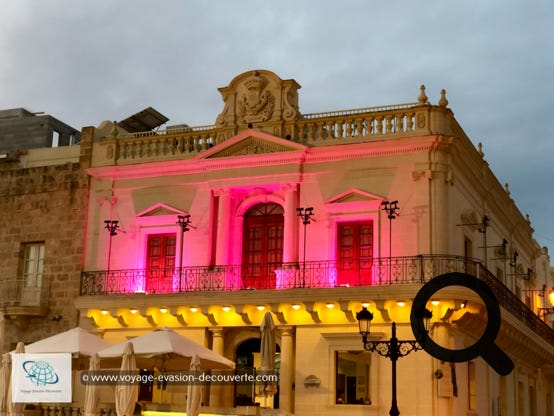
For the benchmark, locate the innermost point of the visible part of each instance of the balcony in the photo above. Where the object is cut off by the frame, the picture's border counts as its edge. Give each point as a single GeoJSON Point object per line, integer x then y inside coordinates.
{"type": "Point", "coordinates": [313, 274]}
{"type": "Point", "coordinates": [19, 299]}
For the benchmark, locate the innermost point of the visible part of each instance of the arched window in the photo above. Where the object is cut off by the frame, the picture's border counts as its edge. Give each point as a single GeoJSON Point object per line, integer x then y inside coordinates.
{"type": "Point", "coordinates": [262, 245]}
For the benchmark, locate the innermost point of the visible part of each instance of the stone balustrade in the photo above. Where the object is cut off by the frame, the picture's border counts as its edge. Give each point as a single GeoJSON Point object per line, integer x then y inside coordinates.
{"type": "Point", "coordinates": [317, 129]}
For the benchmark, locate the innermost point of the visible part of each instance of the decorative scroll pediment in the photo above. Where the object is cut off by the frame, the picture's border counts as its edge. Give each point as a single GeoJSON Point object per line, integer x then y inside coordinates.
{"type": "Point", "coordinates": [353, 200]}
{"type": "Point", "coordinates": [251, 142]}
{"type": "Point", "coordinates": [158, 210]}
{"type": "Point", "coordinates": [353, 195]}
{"type": "Point", "coordinates": [159, 214]}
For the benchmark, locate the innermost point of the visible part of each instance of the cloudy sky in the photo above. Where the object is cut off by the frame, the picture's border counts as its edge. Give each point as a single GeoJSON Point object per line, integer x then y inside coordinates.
{"type": "Point", "coordinates": [87, 61]}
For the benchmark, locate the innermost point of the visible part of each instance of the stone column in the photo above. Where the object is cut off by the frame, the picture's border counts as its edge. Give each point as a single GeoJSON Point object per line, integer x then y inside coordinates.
{"type": "Point", "coordinates": [223, 224]}
{"type": "Point", "coordinates": [216, 391]}
{"type": "Point", "coordinates": [290, 252]}
{"type": "Point", "coordinates": [286, 394]}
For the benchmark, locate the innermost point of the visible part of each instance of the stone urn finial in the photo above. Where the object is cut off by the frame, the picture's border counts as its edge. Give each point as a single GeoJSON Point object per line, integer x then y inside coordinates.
{"type": "Point", "coordinates": [443, 102]}
{"type": "Point", "coordinates": [114, 133]}
{"type": "Point", "coordinates": [422, 99]}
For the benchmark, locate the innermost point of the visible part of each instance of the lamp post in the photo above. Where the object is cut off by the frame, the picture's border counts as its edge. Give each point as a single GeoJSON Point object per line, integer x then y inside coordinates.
{"type": "Point", "coordinates": [391, 208]}
{"type": "Point", "coordinates": [184, 222]}
{"type": "Point", "coordinates": [112, 226]}
{"type": "Point", "coordinates": [305, 215]}
{"type": "Point", "coordinates": [392, 349]}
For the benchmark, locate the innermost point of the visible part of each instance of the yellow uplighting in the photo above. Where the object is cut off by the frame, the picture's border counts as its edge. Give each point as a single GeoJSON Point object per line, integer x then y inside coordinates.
{"type": "Point", "coordinates": [365, 304]}
{"type": "Point", "coordinates": [193, 309]}
{"type": "Point", "coordinates": [551, 296]}
{"type": "Point", "coordinates": [104, 312]}
{"type": "Point", "coordinates": [330, 305]}
{"type": "Point", "coordinates": [435, 302]}
{"type": "Point", "coordinates": [133, 310]}
{"type": "Point", "coordinates": [226, 308]}
{"type": "Point", "coordinates": [163, 310]}
{"type": "Point", "coordinates": [296, 306]}
{"type": "Point", "coordinates": [401, 303]}
{"type": "Point", "coordinates": [260, 307]}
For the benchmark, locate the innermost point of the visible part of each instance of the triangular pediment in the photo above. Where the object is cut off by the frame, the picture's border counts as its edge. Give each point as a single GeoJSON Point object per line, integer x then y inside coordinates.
{"type": "Point", "coordinates": [158, 210]}
{"type": "Point", "coordinates": [251, 142]}
{"type": "Point", "coordinates": [353, 195]}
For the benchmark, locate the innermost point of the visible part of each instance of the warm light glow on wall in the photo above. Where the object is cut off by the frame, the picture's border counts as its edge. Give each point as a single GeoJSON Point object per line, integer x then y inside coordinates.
{"type": "Point", "coordinates": [163, 310]}
{"type": "Point", "coordinates": [551, 296]}
{"type": "Point", "coordinates": [226, 308]}
{"type": "Point", "coordinates": [193, 309]}
{"type": "Point", "coordinates": [330, 305]}
{"type": "Point", "coordinates": [133, 310]}
{"type": "Point", "coordinates": [260, 307]}
{"type": "Point", "coordinates": [401, 303]}
{"type": "Point", "coordinates": [365, 304]}
{"type": "Point", "coordinates": [104, 312]}
{"type": "Point", "coordinates": [296, 306]}
{"type": "Point", "coordinates": [435, 302]}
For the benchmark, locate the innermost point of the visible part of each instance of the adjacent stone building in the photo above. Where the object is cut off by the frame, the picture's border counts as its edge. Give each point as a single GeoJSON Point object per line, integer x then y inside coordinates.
{"type": "Point", "coordinates": [43, 200]}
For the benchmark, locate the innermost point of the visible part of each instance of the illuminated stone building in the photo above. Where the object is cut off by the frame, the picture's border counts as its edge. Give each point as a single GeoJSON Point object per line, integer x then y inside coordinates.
{"type": "Point", "coordinates": [243, 182]}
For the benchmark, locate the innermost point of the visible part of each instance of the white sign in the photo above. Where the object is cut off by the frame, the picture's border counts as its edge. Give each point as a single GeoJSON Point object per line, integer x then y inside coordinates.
{"type": "Point", "coordinates": [41, 378]}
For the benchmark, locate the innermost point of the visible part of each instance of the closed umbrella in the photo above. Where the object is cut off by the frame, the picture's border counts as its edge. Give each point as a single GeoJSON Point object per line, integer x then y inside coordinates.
{"type": "Point", "coordinates": [5, 372]}
{"type": "Point", "coordinates": [15, 409]}
{"type": "Point", "coordinates": [194, 390]}
{"type": "Point", "coordinates": [92, 392]}
{"type": "Point", "coordinates": [267, 351]}
{"type": "Point", "coordinates": [126, 395]}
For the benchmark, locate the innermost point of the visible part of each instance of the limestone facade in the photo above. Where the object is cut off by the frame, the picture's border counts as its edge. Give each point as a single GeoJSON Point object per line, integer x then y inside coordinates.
{"type": "Point", "coordinates": [43, 205]}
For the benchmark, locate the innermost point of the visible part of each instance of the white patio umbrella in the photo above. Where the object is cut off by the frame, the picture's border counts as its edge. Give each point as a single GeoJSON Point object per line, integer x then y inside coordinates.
{"type": "Point", "coordinates": [5, 373]}
{"type": "Point", "coordinates": [77, 341]}
{"type": "Point", "coordinates": [92, 391]}
{"type": "Point", "coordinates": [194, 390]}
{"type": "Point", "coordinates": [165, 349]}
{"type": "Point", "coordinates": [126, 395]}
{"type": "Point", "coordinates": [15, 409]}
{"type": "Point", "coordinates": [267, 351]}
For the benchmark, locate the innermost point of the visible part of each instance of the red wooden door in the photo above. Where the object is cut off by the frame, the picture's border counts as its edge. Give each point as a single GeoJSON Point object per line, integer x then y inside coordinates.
{"type": "Point", "coordinates": [355, 253]}
{"type": "Point", "coordinates": [262, 249]}
{"type": "Point", "coordinates": [160, 263]}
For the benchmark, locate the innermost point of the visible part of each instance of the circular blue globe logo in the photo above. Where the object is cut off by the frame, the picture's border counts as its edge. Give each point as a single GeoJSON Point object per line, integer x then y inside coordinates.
{"type": "Point", "coordinates": [41, 373]}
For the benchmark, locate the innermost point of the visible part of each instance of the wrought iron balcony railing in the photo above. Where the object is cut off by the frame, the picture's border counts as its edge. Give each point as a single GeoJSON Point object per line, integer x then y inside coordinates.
{"type": "Point", "coordinates": [18, 293]}
{"type": "Point", "coordinates": [313, 274]}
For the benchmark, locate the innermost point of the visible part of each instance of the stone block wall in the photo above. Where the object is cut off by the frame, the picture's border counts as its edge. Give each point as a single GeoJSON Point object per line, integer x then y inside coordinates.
{"type": "Point", "coordinates": [43, 204]}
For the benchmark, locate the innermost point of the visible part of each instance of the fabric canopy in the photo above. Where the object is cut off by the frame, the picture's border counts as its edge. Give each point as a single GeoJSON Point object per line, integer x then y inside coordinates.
{"type": "Point", "coordinates": [165, 349]}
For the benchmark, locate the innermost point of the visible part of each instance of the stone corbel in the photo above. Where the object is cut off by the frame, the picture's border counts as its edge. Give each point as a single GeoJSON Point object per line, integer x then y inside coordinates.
{"type": "Point", "coordinates": [119, 318]}
{"type": "Point", "coordinates": [349, 313]}
{"type": "Point", "coordinates": [149, 318]}
{"type": "Point", "coordinates": [380, 305]}
{"type": "Point", "coordinates": [313, 313]}
{"type": "Point", "coordinates": [211, 318]}
{"type": "Point", "coordinates": [179, 316]}
{"type": "Point", "coordinates": [244, 315]}
{"type": "Point", "coordinates": [279, 315]}
{"type": "Point", "coordinates": [87, 322]}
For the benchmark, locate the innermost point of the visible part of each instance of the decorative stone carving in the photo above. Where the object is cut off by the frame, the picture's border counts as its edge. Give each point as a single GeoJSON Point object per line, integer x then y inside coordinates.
{"type": "Point", "coordinates": [256, 104]}
{"type": "Point", "coordinates": [257, 97]}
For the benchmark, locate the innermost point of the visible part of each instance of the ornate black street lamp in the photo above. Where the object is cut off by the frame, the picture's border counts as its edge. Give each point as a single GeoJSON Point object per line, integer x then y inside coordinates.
{"type": "Point", "coordinates": [305, 215]}
{"type": "Point", "coordinates": [392, 349]}
{"type": "Point", "coordinates": [184, 222]}
{"type": "Point", "coordinates": [391, 208]}
{"type": "Point", "coordinates": [112, 226]}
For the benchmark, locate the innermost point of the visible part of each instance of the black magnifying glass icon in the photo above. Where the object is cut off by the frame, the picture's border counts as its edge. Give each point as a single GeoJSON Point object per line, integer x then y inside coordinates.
{"type": "Point", "coordinates": [485, 346]}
